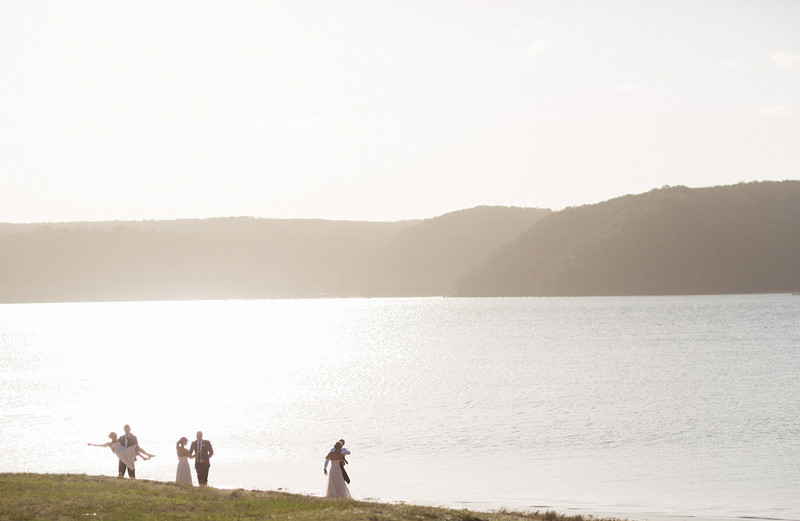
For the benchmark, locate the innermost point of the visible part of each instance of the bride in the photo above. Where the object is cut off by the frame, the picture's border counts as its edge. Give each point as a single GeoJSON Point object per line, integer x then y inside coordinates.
{"type": "Point", "coordinates": [336, 485]}
{"type": "Point", "coordinates": [127, 455]}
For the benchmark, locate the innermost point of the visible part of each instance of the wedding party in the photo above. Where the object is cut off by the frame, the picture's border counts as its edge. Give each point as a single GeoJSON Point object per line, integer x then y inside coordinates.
{"type": "Point", "coordinates": [127, 449]}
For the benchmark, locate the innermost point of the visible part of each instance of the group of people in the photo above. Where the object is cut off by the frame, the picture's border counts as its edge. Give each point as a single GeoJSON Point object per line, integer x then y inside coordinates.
{"type": "Point", "coordinates": [127, 449]}
{"type": "Point", "coordinates": [201, 451]}
{"type": "Point", "coordinates": [337, 478]}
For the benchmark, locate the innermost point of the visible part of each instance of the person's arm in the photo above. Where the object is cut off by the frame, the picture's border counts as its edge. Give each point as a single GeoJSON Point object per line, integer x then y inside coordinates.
{"type": "Point", "coordinates": [345, 452]}
{"type": "Point", "coordinates": [107, 444]}
{"type": "Point", "coordinates": [325, 467]}
{"type": "Point", "coordinates": [210, 450]}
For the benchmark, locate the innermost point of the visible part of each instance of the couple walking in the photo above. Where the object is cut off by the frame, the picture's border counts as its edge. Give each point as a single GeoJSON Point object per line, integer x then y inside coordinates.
{"type": "Point", "coordinates": [201, 451]}
{"type": "Point", "coordinates": [337, 478]}
{"type": "Point", "coordinates": [126, 449]}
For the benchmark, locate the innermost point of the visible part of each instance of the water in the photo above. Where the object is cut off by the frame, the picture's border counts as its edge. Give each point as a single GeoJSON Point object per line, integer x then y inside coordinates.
{"type": "Point", "coordinates": [636, 407]}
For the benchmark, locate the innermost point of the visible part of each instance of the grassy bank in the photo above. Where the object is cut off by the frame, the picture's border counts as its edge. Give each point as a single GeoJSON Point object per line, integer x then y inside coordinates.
{"type": "Point", "coordinates": [68, 496]}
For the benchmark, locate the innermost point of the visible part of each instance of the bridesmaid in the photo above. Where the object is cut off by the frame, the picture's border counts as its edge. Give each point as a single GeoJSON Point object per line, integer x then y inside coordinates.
{"type": "Point", "coordinates": [184, 473]}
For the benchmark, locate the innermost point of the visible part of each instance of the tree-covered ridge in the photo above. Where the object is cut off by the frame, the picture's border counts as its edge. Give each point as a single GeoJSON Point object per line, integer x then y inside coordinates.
{"type": "Point", "coordinates": [743, 238]}
{"type": "Point", "coordinates": [249, 258]}
{"type": "Point", "coordinates": [674, 240]}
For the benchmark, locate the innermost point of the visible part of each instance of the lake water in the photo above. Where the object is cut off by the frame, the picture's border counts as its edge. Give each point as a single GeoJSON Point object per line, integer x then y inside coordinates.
{"type": "Point", "coordinates": [635, 406]}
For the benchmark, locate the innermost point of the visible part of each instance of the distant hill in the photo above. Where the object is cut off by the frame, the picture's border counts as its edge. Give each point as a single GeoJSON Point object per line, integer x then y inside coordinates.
{"type": "Point", "coordinates": [732, 239]}
{"type": "Point", "coordinates": [226, 258]}
{"type": "Point", "coordinates": [232, 258]}
{"type": "Point", "coordinates": [427, 258]}
{"type": "Point", "coordinates": [675, 240]}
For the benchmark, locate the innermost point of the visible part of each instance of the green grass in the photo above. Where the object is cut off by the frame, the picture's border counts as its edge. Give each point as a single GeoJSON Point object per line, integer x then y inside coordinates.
{"type": "Point", "coordinates": [94, 498]}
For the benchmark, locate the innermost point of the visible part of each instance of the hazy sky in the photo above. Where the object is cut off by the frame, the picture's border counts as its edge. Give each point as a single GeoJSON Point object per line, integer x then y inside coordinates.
{"type": "Point", "coordinates": [386, 110]}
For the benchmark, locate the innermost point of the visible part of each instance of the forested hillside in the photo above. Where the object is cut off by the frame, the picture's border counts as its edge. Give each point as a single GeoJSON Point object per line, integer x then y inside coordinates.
{"type": "Point", "coordinates": [675, 240]}
{"type": "Point", "coordinates": [733, 239]}
{"type": "Point", "coordinates": [248, 258]}
{"type": "Point", "coordinates": [426, 259]}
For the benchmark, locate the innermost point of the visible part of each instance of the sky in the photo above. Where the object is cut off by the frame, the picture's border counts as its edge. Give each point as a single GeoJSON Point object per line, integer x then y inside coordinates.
{"type": "Point", "coordinates": [386, 110]}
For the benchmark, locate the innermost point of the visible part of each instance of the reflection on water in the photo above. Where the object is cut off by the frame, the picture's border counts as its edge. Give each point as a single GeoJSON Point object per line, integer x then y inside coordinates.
{"type": "Point", "coordinates": [674, 405]}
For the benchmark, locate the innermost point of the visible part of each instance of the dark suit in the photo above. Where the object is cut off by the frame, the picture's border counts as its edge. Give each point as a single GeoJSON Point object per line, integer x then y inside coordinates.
{"type": "Point", "coordinates": [202, 461]}
{"type": "Point", "coordinates": [127, 440]}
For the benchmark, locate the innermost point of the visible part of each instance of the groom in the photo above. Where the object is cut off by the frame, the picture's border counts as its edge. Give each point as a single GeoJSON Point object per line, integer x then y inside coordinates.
{"type": "Point", "coordinates": [342, 463]}
{"type": "Point", "coordinates": [127, 440]}
{"type": "Point", "coordinates": [202, 451]}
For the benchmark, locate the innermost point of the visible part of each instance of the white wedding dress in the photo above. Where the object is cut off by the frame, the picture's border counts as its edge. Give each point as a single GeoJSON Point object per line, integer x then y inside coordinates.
{"type": "Point", "coordinates": [126, 455]}
{"type": "Point", "coordinates": [336, 485]}
{"type": "Point", "coordinates": [184, 474]}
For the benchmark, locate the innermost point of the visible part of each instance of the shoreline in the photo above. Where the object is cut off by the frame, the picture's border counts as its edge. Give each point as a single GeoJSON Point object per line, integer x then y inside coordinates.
{"type": "Point", "coordinates": [586, 513]}
{"type": "Point", "coordinates": [68, 487]}
{"type": "Point", "coordinates": [68, 496]}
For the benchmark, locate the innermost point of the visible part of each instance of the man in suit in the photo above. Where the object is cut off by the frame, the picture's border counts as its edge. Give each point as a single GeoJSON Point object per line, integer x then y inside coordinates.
{"type": "Point", "coordinates": [127, 440]}
{"type": "Point", "coordinates": [201, 450]}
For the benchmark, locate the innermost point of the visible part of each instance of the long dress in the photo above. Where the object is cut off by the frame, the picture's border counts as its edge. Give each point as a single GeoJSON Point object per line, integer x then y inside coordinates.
{"type": "Point", "coordinates": [126, 455]}
{"type": "Point", "coordinates": [336, 485]}
{"type": "Point", "coordinates": [184, 473]}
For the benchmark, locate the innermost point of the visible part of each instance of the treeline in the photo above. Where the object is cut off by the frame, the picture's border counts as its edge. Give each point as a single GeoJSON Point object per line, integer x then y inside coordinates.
{"type": "Point", "coordinates": [674, 240]}
{"type": "Point", "coordinates": [743, 238]}
{"type": "Point", "coordinates": [241, 258]}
